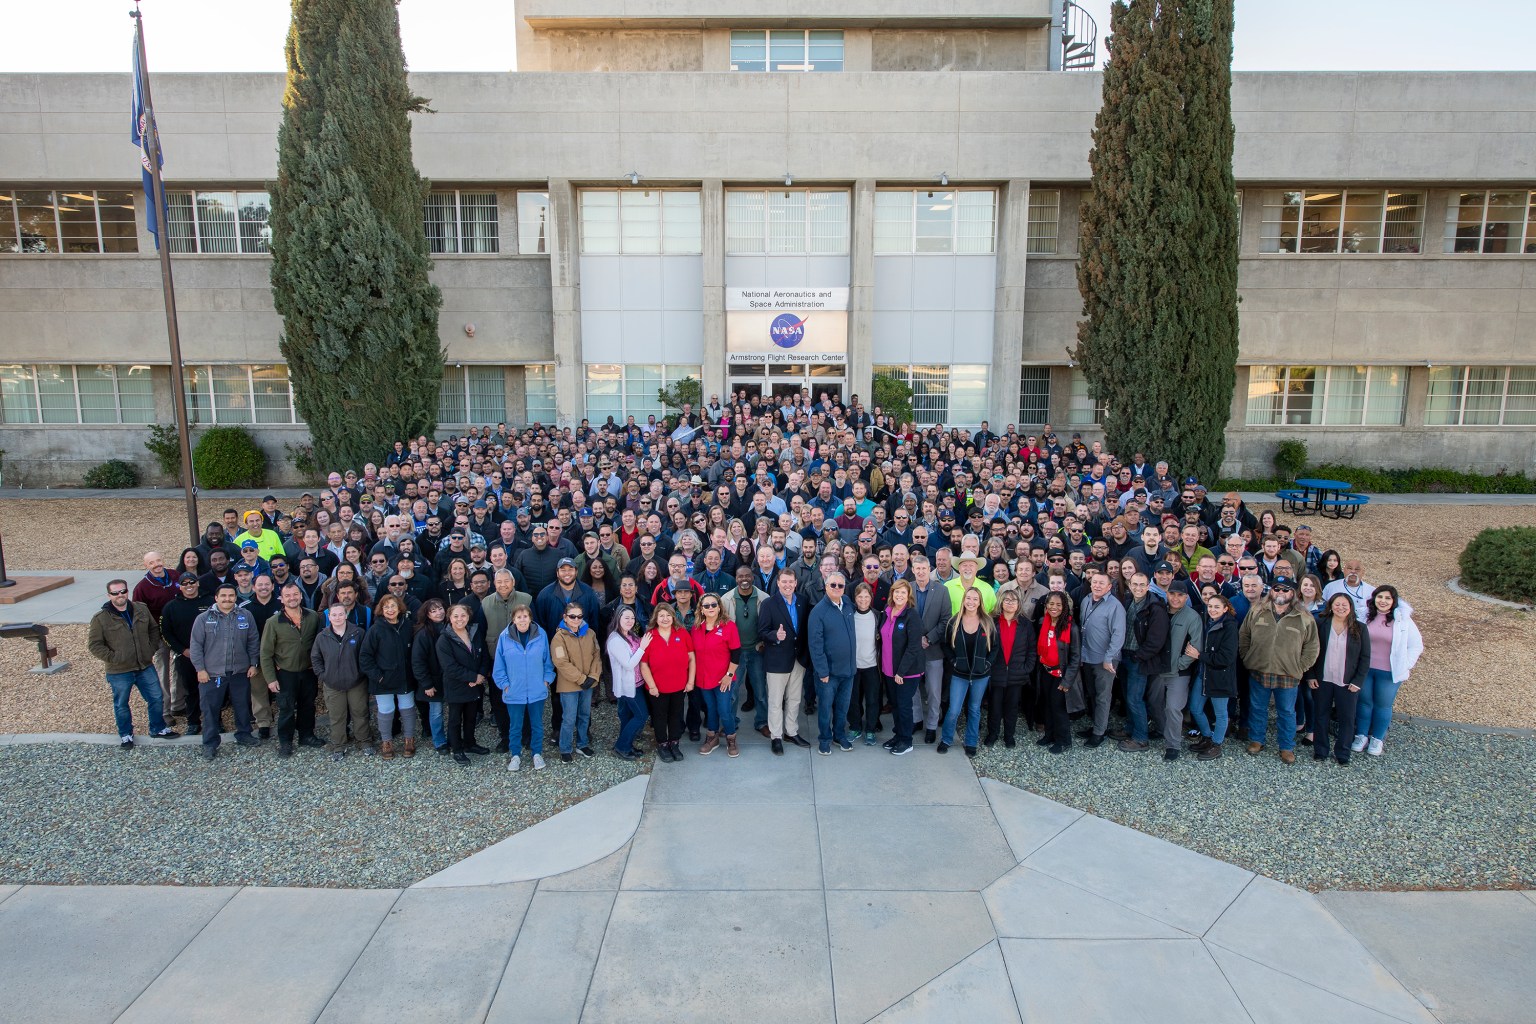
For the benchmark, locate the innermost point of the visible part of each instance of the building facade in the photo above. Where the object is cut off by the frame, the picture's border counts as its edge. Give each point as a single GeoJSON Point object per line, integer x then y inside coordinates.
{"type": "Point", "coordinates": [771, 202]}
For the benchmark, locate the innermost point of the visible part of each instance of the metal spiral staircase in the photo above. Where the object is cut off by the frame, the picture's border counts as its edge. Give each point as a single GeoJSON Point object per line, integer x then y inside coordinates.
{"type": "Point", "coordinates": [1079, 38]}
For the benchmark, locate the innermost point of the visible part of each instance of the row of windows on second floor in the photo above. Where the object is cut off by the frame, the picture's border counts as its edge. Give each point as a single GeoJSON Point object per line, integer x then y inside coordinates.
{"type": "Point", "coordinates": [770, 221]}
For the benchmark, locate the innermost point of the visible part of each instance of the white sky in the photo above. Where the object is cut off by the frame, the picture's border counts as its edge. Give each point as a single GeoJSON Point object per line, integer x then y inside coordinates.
{"type": "Point", "coordinates": [477, 35]}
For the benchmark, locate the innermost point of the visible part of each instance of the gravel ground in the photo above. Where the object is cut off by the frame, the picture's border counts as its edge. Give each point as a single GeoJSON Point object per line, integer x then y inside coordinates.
{"type": "Point", "coordinates": [93, 815]}
{"type": "Point", "coordinates": [1442, 809]}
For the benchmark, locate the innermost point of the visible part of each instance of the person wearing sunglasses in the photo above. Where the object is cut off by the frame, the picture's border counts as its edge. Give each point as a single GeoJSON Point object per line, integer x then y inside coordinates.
{"type": "Point", "coordinates": [578, 664]}
{"type": "Point", "coordinates": [125, 636]}
{"type": "Point", "coordinates": [717, 654]}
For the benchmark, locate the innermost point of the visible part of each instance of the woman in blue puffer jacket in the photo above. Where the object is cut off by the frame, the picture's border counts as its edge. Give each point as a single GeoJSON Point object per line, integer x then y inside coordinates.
{"type": "Point", "coordinates": [523, 672]}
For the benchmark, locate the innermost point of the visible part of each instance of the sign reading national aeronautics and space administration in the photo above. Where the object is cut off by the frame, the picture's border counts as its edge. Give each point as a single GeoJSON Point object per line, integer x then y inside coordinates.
{"type": "Point", "coordinates": [786, 325]}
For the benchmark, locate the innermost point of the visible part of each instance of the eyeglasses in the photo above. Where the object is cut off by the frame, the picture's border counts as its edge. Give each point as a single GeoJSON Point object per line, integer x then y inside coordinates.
{"type": "Point", "coordinates": [574, 616]}
{"type": "Point", "coordinates": [1225, 561]}
{"type": "Point", "coordinates": [117, 593]}
{"type": "Point", "coordinates": [834, 586]}
{"type": "Point", "coordinates": [397, 583]}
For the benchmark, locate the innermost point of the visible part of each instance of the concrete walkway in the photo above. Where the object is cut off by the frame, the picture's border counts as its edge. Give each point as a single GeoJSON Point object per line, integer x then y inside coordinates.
{"type": "Point", "coordinates": [74, 603]}
{"type": "Point", "coordinates": [854, 887]}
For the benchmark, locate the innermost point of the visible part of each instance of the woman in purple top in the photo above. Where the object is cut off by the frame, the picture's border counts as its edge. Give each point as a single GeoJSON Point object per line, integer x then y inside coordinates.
{"type": "Point", "coordinates": [903, 661]}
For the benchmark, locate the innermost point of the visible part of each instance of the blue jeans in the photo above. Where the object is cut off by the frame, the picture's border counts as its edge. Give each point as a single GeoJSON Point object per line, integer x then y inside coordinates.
{"type": "Point", "coordinates": [535, 713]}
{"type": "Point", "coordinates": [388, 702]}
{"type": "Point", "coordinates": [148, 684]}
{"type": "Point", "coordinates": [1374, 714]}
{"type": "Point", "coordinates": [632, 716]}
{"type": "Point", "coordinates": [1197, 699]}
{"type": "Point", "coordinates": [969, 692]}
{"type": "Point", "coordinates": [720, 710]}
{"type": "Point", "coordinates": [832, 710]}
{"type": "Point", "coordinates": [1285, 714]}
{"type": "Point", "coordinates": [575, 713]}
{"type": "Point", "coordinates": [435, 720]}
{"type": "Point", "coordinates": [1136, 701]}
{"type": "Point", "coordinates": [750, 669]}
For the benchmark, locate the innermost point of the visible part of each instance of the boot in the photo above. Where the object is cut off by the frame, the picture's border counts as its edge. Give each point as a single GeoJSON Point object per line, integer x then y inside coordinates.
{"type": "Point", "coordinates": [711, 741]}
{"type": "Point", "coordinates": [386, 750]}
{"type": "Point", "coordinates": [410, 746]}
{"type": "Point", "coordinates": [730, 746]}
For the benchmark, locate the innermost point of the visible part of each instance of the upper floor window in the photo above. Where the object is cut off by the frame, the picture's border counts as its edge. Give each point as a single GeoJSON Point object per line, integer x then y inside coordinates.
{"type": "Point", "coordinates": [634, 222]}
{"type": "Point", "coordinates": [1326, 395]}
{"type": "Point", "coordinates": [464, 222]}
{"type": "Point", "coordinates": [1498, 221]}
{"type": "Point", "coordinates": [533, 223]}
{"type": "Point", "coordinates": [786, 222]}
{"type": "Point", "coordinates": [61, 393]}
{"type": "Point", "coordinates": [1044, 214]}
{"type": "Point", "coordinates": [219, 222]}
{"type": "Point", "coordinates": [86, 220]}
{"type": "Point", "coordinates": [935, 220]}
{"type": "Point", "coordinates": [1342, 221]}
{"type": "Point", "coordinates": [1481, 396]}
{"type": "Point", "coordinates": [791, 49]}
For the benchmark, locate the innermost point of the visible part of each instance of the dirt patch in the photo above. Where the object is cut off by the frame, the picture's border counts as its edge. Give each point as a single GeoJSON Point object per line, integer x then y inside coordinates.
{"type": "Point", "coordinates": [96, 533]}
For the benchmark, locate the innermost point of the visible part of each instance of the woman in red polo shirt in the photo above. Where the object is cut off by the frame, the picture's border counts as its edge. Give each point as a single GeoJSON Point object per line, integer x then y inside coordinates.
{"type": "Point", "coordinates": [717, 651]}
{"type": "Point", "coordinates": [668, 671]}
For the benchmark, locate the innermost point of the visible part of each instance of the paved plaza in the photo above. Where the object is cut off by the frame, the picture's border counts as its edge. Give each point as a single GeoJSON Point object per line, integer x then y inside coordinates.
{"type": "Point", "coordinates": [854, 887]}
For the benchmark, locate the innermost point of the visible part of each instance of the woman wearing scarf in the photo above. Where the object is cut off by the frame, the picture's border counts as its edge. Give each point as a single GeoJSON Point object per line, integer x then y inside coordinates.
{"type": "Point", "coordinates": [523, 672]}
{"type": "Point", "coordinates": [625, 649]}
{"type": "Point", "coordinates": [1058, 655]}
{"type": "Point", "coordinates": [1016, 642]}
{"type": "Point", "coordinates": [578, 663]}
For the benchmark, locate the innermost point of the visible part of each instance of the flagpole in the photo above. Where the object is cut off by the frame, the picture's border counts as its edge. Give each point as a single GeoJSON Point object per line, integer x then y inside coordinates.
{"type": "Point", "coordinates": [167, 286]}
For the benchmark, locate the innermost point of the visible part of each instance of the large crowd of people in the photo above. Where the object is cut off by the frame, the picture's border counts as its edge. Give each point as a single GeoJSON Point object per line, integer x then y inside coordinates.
{"type": "Point", "coordinates": [903, 587]}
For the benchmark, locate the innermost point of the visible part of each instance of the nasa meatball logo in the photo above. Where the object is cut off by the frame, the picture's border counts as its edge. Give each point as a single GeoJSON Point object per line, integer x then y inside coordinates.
{"type": "Point", "coordinates": [787, 330]}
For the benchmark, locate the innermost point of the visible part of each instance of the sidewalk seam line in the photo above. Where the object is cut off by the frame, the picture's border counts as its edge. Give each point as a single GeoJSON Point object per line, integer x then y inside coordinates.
{"type": "Point", "coordinates": [399, 894]}
{"type": "Point", "coordinates": [183, 949]}
{"type": "Point", "coordinates": [510, 950]}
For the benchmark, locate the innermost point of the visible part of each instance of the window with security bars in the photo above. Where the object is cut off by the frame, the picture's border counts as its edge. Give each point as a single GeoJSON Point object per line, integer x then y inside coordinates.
{"type": "Point", "coordinates": [69, 393]}
{"type": "Point", "coordinates": [229, 223]}
{"type": "Point", "coordinates": [930, 390]}
{"type": "Point", "coordinates": [634, 222]}
{"type": "Point", "coordinates": [1083, 409]}
{"type": "Point", "coordinates": [786, 222]}
{"type": "Point", "coordinates": [79, 221]}
{"type": "Point", "coordinates": [462, 222]}
{"type": "Point", "coordinates": [472, 396]}
{"type": "Point", "coordinates": [1491, 222]}
{"type": "Point", "coordinates": [1034, 395]}
{"type": "Point", "coordinates": [935, 220]}
{"type": "Point", "coordinates": [631, 389]}
{"type": "Point", "coordinates": [1341, 221]}
{"type": "Point", "coordinates": [1372, 396]}
{"type": "Point", "coordinates": [539, 393]}
{"type": "Point", "coordinates": [226, 394]}
{"type": "Point", "coordinates": [791, 49]}
{"type": "Point", "coordinates": [1044, 215]}
{"type": "Point", "coordinates": [1481, 396]}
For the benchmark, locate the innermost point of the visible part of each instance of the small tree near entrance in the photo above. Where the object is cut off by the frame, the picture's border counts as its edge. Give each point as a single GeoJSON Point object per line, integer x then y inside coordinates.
{"type": "Point", "coordinates": [689, 390]}
{"type": "Point", "coordinates": [893, 396]}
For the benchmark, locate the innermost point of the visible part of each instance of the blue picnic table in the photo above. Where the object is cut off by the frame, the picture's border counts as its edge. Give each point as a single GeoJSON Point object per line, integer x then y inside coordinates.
{"type": "Point", "coordinates": [1325, 497]}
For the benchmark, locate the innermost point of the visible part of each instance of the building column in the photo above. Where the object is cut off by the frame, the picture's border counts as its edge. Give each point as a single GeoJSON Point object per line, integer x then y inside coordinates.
{"type": "Point", "coordinates": [1008, 305]}
{"type": "Point", "coordinates": [565, 302]}
{"type": "Point", "coordinates": [861, 294]}
{"type": "Point", "coordinates": [712, 208]}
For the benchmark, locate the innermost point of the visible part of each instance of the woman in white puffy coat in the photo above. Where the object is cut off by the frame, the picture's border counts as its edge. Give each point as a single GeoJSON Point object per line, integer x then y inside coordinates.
{"type": "Point", "coordinates": [1395, 648]}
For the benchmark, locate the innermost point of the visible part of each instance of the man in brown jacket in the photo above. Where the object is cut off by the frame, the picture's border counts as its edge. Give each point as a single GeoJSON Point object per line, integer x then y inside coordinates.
{"type": "Point", "coordinates": [1278, 642]}
{"type": "Point", "coordinates": [578, 664]}
{"type": "Point", "coordinates": [125, 636]}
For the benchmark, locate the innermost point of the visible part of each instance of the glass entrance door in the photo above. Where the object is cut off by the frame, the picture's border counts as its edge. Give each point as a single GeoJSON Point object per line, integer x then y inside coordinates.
{"type": "Point", "coordinates": [786, 380]}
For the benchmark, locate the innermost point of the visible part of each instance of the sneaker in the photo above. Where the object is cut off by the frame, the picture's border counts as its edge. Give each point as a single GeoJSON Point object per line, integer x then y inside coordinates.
{"type": "Point", "coordinates": [1359, 743]}
{"type": "Point", "coordinates": [929, 735]}
{"type": "Point", "coordinates": [970, 751]}
{"type": "Point", "coordinates": [314, 741]}
{"type": "Point", "coordinates": [265, 732]}
{"type": "Point", "coordinates": [516, 764]}
{"type": "Point", "coordinates": [1093, 740]}
{"type": "Point", "coordinates": [943, 748]}
{"type": "Point", "coordinates": [1057, 748]}
{"type": "Point", "coordinates": [247, 741]}
{"type": "Point", "coordinates": [166, 734]}
{"type": "Point", "coordinates": [869, 739]}
{"type": "Point", "coordinates": [1169, 754]}
{"type": "Point", "coordinates": [845, 745]}
{"type": "Point", "coordinates": [566, 758]}
{"type": "Point", "coordinates": [901, 748]}
{"type": "Point", "coordinates": [825, 749]}
{"type": "Point", "coordinates": [626, 755]}
{"type": "Point", "coordinates": [126, 743]}
{"type": "Point", "coordinates": [1210, 753]}
{"type": "Point", "coordinates": [1374, 748]}
{"type": "Point", "coordinates": [1131, 746]}
{"type": "Point", "coordinates": [588, 752]}
{"type": "Point", "coordinates": [339, 754]}
{"type": "Point", "coordinates": [538, 762]}
{"type": "Point", "coordinates": [890, 744]}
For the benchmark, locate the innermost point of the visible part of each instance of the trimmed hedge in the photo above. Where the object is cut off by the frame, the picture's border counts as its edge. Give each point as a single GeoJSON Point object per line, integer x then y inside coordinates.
{"type": "Point", "coordinates": [1397, 481]}
{"type": "Point", "coordinates": [228, 457]}
{"type": "Point", "coordinates": [114, 474]}
{"type": "Point", "coordinates": [1501, 562]}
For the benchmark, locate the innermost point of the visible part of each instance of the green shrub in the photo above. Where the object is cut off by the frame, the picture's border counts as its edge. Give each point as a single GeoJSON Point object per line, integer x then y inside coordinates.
{"type": "Point", "coordinates": [1502, 563]}
{"type": "Point", "coordinates": [1396, 481]}
{"type": "Point", "coordinates": [301, 457]}
{"type": "Point", "coordinates": [1291, 458]}
{"type": "Point", "coordinates": [114, 474]}
{"type": "Point", "coordinates": [893, 395]}
{"type": "Point", "coordinates": [165, 445]}
{"type": "Point", "coordinates": [228, 457]}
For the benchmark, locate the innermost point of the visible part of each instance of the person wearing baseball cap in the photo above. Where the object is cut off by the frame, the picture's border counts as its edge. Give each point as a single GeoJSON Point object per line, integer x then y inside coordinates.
{"type": "Point", "coordinates": [1279, 644]}
{"type": "Point", "coordinates": [268, 543]}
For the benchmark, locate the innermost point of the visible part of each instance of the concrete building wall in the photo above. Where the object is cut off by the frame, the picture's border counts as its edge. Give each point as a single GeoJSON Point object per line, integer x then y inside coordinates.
{"type": "Point", "coordinates": [960, 49]}
{"type": "Point", "coordinates": [624, 50]}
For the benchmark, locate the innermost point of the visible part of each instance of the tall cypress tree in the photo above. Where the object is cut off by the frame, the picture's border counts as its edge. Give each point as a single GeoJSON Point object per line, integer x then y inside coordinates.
{"type": "Point", "coordinates": [350, 263]}
{"type": "Point", "coordinates": [1158, 267]}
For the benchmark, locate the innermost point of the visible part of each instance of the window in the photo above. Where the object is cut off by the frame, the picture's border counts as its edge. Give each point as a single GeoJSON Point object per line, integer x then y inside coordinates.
{"type": "Point", "coordinates": [1468, 396]}
{"type": "Point", "coordinates": [943, 394]}
{"type": "Point", "coordinates": [1491, 222]}
{"type": "Point", "coordinates": [539, 393]}
{"type": "Point", "coordinates": [1034, 395]}
{"type": "Point", "coordinates": [1083, 409]}
{"type": "Point", "coordinates": [1372, 396]}
{"type": "Point", "coordinates": [935, 220]}
{"type": "Point", "coordinates": [791, 49]}
{"type": "Point", "coordinates": [463, 222]}
{"type": "Point", "coordinates": [630, 389]}
{"type": "Point", "coordinates": [1353, 221]}
{"type": "Point", "coordinates": [63, 393]}
{"type": "Point", "coordinates": [87, 220]}
{"type": "Point", "coordinates": [219, 222]}
{"type": "Point", "coordinates": [633, 222]}
{"type": "Point", "coordinates": [1044, 213]}
{"type": "Point", "coordinates": [239, 394]}
{"type": "Point", "coordinates": [533, 223]}
{"type": "Point", "coordinates": [786, 222]}
{"type": "Point", "coordinates": [472, 395]}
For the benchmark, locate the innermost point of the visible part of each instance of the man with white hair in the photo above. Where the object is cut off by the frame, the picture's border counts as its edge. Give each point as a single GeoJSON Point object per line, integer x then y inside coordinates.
{"type": "Point", "coordinates": [157, 589]}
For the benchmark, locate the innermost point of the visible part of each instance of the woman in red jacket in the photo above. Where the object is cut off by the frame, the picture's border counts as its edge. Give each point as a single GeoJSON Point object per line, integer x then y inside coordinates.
{"type": "Point", "coordinates": [668, 671]}
{"type": "Point", "coordinates": [717, 652]}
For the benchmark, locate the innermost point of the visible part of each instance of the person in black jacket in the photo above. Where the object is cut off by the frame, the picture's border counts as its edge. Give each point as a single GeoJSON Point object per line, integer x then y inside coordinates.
{"type": "Point", "coordinates": [1217, 678]}
{"type": "Point", "coordinates": [970, 644]}
{"type": "Point", "coordinates": [1148, 660]}
{"type": "Point", "coordinates": [465, 667]}
{"type": "Point", "coordinates": [431, 620]}
{"type": "Point", "coordinates": [1058, 659]}
{"type": "Point", "coordinates": [1335, 679]}
{"type": "Point", "coordinates": [781, 626]}
{"type": "Point", "coordinates": [385, 659]}
{"type": "Point", "coordinates": [176, 629]}
{"type": "Point", "coordinates": [908, 662]}
{"type": "Point", "coordinates": [1015, 667]}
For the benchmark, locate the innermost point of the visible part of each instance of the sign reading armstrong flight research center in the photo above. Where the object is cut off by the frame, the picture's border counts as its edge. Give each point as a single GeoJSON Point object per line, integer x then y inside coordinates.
{"type": "Point", "coordinates": [786, 325]}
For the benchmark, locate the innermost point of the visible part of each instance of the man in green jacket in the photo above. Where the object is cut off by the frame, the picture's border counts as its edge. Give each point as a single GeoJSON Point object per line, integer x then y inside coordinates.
{"type": "Point", "coordinates": [1278, 642]}
{"type": "Point", "coordinates": [125, 636]}
{"type": "Point", "coordinates": [286, 642]}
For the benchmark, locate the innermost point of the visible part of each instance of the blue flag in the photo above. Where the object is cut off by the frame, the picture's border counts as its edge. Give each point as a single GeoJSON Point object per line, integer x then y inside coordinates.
{"type": "Point", "coordinates": [141, 134]}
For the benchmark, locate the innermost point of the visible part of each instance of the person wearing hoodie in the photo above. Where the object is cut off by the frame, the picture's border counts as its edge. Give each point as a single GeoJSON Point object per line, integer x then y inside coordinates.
{"type": "Point", "coordinates": [335, 661]}
{"type": "Point", "coordinates": [522, 672]}
{"type": "Point", "coordinates": [578, 663]}
{"type": "Point", "coordinates": [1395, 648]}
{"type": "Point", "coordinates": [225, 651]}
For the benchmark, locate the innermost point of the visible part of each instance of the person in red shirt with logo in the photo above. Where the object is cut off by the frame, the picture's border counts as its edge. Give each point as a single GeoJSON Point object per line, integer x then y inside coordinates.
{"type": "Point", "coordinates": [668, 671]}
{"type": "Point", "coordinates": [717, 652]}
